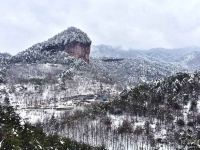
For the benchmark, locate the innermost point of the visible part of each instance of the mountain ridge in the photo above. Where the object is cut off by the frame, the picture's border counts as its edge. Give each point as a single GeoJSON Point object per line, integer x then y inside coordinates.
{"type": "Point", "coordinates": [172, 56]}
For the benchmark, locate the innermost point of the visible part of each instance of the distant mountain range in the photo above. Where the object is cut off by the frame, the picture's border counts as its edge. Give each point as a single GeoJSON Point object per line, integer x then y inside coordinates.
{"type": "Point", "coordinates": [46, 71]}
{"type": "Point", "coordinates": [46, 75]}
{"type": "Point", "coordinates": [57, 79]}
{"type": "Point", "coordinates": [188, 58]}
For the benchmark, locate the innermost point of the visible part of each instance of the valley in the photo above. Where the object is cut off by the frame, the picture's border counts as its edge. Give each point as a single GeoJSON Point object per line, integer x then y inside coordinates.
{"type": "Point", "coordinates": [121, 100]}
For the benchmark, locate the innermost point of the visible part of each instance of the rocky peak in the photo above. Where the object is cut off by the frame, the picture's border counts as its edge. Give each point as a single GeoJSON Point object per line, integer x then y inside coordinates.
{"type": "Point", "coordinates": [74, 41]}
{"type": "Point", "coordinates": [71, 35]}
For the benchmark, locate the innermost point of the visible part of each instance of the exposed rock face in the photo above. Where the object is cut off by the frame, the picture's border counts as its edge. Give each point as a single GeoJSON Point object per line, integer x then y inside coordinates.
{"type": "Point", "coordinates": [74, 41]}
{"type": "Point", "coordinates": [79, 50]}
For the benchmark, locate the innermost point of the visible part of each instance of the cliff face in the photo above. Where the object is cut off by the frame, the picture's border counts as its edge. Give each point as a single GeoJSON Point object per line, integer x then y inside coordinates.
{"type": "Point", "coordinates": [72, 41]}
{"type": "Point", "coordinates": [79, 50]}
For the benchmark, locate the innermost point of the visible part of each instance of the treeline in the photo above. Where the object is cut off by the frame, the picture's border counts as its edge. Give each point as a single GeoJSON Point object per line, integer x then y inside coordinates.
{"type": "Point", "coordinates": [170, 105]}
{"type": "Point", "coordinates": [16, 135]}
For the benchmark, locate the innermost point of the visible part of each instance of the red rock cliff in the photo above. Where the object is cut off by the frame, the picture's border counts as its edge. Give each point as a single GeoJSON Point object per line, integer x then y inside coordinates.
{"type": "Point", "coordinates": [74, 41]}
{"type": "Point", "coordinates": [79, 50]}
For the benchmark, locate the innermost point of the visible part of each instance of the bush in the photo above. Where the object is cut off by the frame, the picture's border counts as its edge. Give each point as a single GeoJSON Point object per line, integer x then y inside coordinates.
{"type": "Point", "coordinates": [126, 127]}
{"type": "Point", "coordinates": [198, 119]}
{"type": "Point", "coordinates": [180, 122]}
{"type": "Point", "coordinates": [191, 124]}
{"type": "Point", "coordinates": [107, 122]}
{"type": "Point", "coordinates": [17, 136]}
{"type": "Point", "coordinates": [138, 130]}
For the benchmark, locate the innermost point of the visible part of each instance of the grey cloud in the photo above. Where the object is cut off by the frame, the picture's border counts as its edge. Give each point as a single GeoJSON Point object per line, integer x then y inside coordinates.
{"type": "Point", "coordinates": [137, 24]}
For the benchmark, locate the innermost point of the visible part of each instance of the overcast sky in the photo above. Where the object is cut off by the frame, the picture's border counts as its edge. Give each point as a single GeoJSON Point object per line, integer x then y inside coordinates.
{"type": "Point", "coordinates": [135, 24]}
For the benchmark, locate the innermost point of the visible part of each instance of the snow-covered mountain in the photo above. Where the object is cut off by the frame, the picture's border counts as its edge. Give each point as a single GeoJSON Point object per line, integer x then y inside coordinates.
{"type": "Point", "coordinates": [55, 49]}
{"type": "Point", "coordinates": [57, 79]}
{"type": "Point", "coordinates": [161, 115]}
{"type": "Point", "coordinates": [49, 85]}
{"type": "Point", "coordinates": [187, 58]}
{"type": "Point", "coordinates": [47, 74]}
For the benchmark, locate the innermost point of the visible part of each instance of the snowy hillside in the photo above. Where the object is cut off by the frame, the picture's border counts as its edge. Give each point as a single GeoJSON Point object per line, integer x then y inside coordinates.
{"type": "Point", "coordinates": [187, 58]}
{"type": "Point", "coordinates": [162, 115]}
{"type": "Point", "coordinates": [53, 48]}
{"type": "Point", "coordinates": [117, 99]}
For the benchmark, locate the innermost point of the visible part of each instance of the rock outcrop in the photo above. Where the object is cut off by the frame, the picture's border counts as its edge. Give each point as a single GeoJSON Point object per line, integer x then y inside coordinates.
{"type": "Point", "coordinates": [74, 41]}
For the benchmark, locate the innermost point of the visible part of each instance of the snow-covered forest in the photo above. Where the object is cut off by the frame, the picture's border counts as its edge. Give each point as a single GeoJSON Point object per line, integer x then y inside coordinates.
{"type": "Point", "coordinates": [147, 100]}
